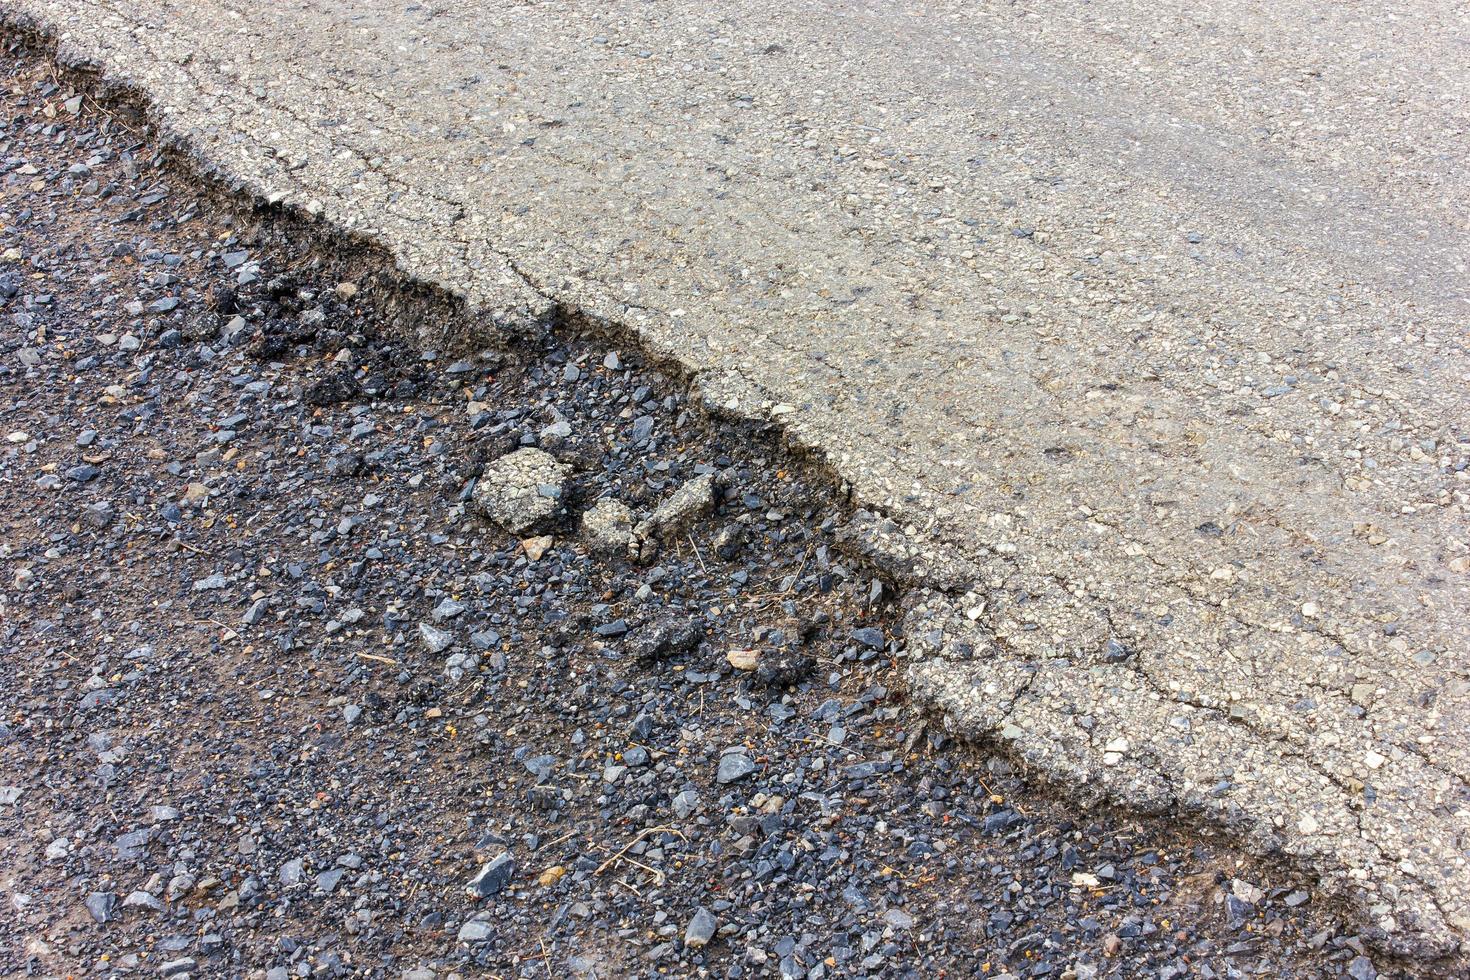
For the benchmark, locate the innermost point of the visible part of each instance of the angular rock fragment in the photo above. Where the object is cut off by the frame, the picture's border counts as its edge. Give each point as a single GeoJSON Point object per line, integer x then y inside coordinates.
{"type": "Point", "coordinates": [701, 928]}
{"type": "Point", "coordinates": [667, 636]}
{"type": "Point", "coordinates": [674, 516]}
{"type": "Point", "coordinates": [492, 878]}
{"type": "Point", "coordinates": [436, 640]}
{"type": "Point", "coordinates": [733, 766]}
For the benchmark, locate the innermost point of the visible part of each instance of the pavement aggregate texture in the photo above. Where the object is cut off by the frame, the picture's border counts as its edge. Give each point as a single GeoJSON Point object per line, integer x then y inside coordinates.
{"type": "Point", "coordinates": [1138, 330]}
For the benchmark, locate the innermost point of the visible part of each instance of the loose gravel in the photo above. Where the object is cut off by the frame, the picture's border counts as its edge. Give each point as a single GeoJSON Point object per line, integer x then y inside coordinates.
{"type": "Point", "coordinates": [326, 655]}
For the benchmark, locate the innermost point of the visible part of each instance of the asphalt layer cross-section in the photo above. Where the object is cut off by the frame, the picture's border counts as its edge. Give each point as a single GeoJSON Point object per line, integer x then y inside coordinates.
{"type": "Point", "coordinates": [1143, 327]}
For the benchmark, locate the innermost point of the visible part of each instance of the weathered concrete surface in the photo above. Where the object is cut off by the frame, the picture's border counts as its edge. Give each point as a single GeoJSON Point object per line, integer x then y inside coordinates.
{"type": "Point", "coordinates": [1149, 320]}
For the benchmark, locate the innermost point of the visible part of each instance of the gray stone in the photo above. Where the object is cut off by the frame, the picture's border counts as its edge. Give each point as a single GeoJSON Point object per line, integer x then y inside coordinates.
{"type": "Point", "coordinates": [733, 766]}
{"type": "Point", "coordinates": [98, 515]}
{"type": "Point", "coordinates": [701, 928]}
{"type": "Point", "coordinates": [447, 609]}
{"type": "Point", "coordinates": [686, 803]}
{"type": "Point", "coordinates": [100, 904]}
{"type": "Point", "coordinates": [898, 918]}
{"type": "Point", "coordinates": [142, 900]}
{"type": "Point", "coordinates": [256, 611]}
{"type": "Point", "coordinates": [291, 871]}
{"type": "Point", "coordinates": [435, 639]}
{"type": "Point", "coordinates": [556, 431]}
{"type": "Point", "coordinates": [328, 880]}
{"type": "Point", "coordinates": [133, 845]}
{"type": "Point", "coordinates": [475, 931]}
{"type": "Point", "coordinates": [493, 878]}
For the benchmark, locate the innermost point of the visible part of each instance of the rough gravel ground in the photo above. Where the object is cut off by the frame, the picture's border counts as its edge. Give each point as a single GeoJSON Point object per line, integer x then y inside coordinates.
{"type": "Point", "coordinates": [275, 692]}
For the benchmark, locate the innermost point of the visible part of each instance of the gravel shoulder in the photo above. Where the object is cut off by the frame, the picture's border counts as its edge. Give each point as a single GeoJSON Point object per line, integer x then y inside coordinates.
{"type": "Point", "coordinates": [329, 654]}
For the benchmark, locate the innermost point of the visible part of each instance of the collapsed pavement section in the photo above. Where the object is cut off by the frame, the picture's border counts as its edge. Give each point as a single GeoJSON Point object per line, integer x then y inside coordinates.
{"type": "Point", "coordinates": [1160, 372]}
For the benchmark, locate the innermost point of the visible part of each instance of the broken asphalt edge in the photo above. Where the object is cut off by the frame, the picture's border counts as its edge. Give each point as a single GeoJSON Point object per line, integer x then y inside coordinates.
{"type": "Point", "coordinates": [933, 581]}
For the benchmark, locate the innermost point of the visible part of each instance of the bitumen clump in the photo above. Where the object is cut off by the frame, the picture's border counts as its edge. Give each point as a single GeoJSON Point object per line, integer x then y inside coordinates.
{"type": "Point", "coordinates": [329, 656]}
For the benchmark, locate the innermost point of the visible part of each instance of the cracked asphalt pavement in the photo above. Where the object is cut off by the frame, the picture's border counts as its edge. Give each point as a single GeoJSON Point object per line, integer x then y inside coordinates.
{"type": "Point", "coordinates": [1140, 332]}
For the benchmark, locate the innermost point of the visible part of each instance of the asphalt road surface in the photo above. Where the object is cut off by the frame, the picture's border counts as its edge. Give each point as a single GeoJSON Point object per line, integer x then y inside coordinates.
{"type": "Point", "coordinates": [1143, 327]}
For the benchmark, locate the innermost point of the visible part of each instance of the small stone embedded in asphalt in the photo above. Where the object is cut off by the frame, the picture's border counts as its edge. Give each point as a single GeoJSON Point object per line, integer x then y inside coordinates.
{"type": "Point", "coordinates": [334, 387]}
{"type": "Point", "coordinates": [521, 490]}
{"type": "Point", "coordinates": [784, 668]}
